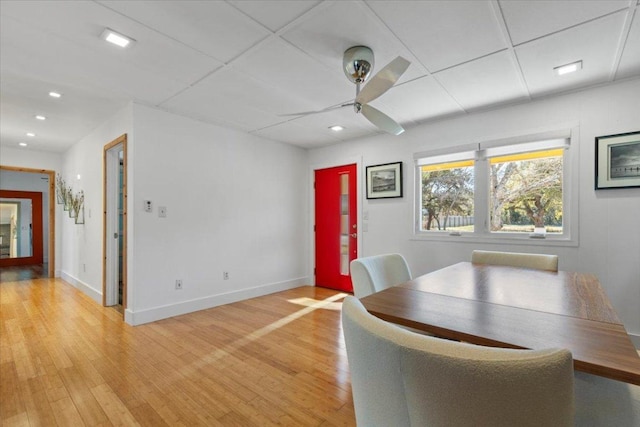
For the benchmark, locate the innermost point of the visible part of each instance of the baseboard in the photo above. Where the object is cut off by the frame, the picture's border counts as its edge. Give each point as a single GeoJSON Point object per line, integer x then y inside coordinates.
{"type": "Point", "coordinates": [635, 339]}
{"type": "Point", "coordinates": [157, 313]}
{"type": "Point", "coordinates": [83, 287]}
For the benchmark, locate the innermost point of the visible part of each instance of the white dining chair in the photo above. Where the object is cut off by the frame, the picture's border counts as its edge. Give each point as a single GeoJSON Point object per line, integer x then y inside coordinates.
{"type": "Point", "coordinates": [399, 378]}
{"type": "Point", "coordinates": [515, 259]}
{"type": "Point", "coordinates": [603, 402]}
{"type": "Point", "coordinates": [375, 273]}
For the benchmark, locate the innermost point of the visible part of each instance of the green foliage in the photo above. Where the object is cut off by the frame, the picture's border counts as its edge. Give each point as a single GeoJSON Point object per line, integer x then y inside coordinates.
{"type": "Point", "coordinates": [526, 192]}
{"type": "Point", "coordinates": [444, 193]}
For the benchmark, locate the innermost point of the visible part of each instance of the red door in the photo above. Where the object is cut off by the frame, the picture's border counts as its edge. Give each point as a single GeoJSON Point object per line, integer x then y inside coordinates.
{"type": "Point", "coordinates": [335, 226]}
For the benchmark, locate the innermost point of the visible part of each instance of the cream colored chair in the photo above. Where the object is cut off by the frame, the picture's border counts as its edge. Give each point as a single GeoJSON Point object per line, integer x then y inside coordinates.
{"type": "Point", "coordinates": [400, 378]}
{"type": "Point", "coordinates": [602, 402]}
{"type": "Point", "coordinates": [514, 259]}
{"type": "Point", "coordinates": [375, 273]}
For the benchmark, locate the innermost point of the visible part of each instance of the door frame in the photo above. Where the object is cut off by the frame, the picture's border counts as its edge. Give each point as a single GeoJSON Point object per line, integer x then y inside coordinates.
{"type": "Point", "coordinates": [52, 217]}
{"type": "Point", "coordinates": [121, 140]}
{"type": "Point", "coordinates": [312, 205]}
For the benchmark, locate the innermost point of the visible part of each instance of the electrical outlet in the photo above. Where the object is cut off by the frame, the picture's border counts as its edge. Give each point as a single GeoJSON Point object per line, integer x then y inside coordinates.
{"type": "Point", "coordinates": [225, 275]}
{"type": "Point", "coordinates": [178, 284]}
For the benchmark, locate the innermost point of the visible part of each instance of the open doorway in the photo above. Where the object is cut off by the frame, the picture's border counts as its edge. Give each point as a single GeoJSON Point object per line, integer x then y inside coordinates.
{"type": "Point", "coordinates": [30, 238]}
{"type": "Point", "coordinates": [114, 269]}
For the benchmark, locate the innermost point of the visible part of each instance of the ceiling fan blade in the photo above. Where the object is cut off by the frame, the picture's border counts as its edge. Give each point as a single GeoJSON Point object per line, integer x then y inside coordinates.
{"type": "Point", "coordinates": [325, 110]}
{"type": "Point", "coordinates": [382, 82]}
{"type": "Point", "coordinates": [381, 120]}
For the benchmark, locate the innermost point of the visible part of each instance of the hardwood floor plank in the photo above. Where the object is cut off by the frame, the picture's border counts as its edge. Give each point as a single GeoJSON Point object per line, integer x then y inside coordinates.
{"type": "Point", "coordinates": [272, 360]}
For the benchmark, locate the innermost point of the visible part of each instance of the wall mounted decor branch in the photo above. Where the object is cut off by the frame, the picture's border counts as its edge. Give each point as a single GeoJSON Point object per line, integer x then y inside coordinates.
{"type": "Point", "coordinates": [73, 203]}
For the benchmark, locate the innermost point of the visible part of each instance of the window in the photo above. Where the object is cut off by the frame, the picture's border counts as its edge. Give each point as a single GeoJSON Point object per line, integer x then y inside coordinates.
{"type": "Point", "coordinates": [447, 196]}
{"type": "Point", "coordinates": [499, 189]}
{"type": "Point", "coordinates": [525, 192]}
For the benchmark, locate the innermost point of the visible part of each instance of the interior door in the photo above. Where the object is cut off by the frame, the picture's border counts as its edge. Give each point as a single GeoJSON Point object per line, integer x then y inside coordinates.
{"type": "Point", "coordinates": [336, 233]}
{"type": "Point", "coordinates": [20, 228]}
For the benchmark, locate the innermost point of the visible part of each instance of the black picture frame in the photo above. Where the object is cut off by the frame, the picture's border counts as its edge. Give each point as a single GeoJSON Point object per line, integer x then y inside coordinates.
{"type": "Point", "coordinates": [384, 181]}
{"type": "Point", "coordinates": [617, 161]}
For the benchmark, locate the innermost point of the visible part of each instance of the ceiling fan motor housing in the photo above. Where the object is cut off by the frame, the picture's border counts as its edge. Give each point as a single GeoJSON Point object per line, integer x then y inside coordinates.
{"type": "Point", "coordinates": [357, 63]}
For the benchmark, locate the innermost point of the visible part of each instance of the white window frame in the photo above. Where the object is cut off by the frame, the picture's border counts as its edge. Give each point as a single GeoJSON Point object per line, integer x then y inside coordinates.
{"type": "Point", "coordinates": [566, 138]}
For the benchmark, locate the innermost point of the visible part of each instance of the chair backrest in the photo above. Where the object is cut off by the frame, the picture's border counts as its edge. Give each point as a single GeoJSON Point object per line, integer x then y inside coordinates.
{"type": "Point", "coordinates": [400, 378]}
{"type": "Point", "coordinates": [375, 273]}
{"type": "Point", "coordinates": [514, 259]}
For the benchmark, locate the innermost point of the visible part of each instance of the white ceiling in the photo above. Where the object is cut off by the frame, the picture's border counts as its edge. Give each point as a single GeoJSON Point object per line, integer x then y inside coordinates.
{"type": "Point", "coordinates": [244, 64]}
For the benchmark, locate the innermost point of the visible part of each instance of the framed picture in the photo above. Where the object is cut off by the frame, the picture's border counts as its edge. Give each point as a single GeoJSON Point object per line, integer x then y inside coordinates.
{"type": "Point", "coordinates": [384, 181]}
{"type": "Point", "coordinates": [618, 161]}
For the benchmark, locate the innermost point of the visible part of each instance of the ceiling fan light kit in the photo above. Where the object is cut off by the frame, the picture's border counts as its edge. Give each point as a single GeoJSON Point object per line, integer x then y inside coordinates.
{"type": "Point", "coordinates": [357, 64]}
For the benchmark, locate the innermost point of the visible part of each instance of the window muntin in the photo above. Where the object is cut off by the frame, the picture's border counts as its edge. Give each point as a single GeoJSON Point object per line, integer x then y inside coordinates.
{"type": "Point", "coordinates": [525, 192]}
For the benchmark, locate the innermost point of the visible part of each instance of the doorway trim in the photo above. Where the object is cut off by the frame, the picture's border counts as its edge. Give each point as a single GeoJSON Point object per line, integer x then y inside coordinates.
{"type": "Point", "coordinates": [120, 140]}
{"type": "Point", "coordinates": [312, 204]}
{"type": "Point", "coordinates": [52, 217]}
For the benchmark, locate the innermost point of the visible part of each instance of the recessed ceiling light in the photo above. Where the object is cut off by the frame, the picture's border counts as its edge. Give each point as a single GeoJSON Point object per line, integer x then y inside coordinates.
{"type": "Point", "coordinates": [31, 134]}
{"type": "Point", "coordinates": [22, 144]}
{"type": "Point", "coordinates": [336, 128]}
{"type": "Point", "coordinates": [39, 117]}
{"type": "Point", "coordinates": [116, 38]}
{"type": "Point", "coordinates": [54, 94]}
{"type": "Point", "coordinates": [568, 68]}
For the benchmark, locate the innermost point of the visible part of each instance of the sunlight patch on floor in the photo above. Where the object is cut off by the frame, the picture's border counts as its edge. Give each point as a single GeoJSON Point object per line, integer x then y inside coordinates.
{"type": "Point", "coordinates": [309, 304]}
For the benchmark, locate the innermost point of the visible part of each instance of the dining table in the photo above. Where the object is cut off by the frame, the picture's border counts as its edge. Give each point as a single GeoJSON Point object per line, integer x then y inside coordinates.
{"type": "Point", "coordinates": [512, 307]}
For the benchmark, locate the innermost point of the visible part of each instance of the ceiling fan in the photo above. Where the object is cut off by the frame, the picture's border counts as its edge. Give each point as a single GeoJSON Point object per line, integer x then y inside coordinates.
{"type": "Point", "coordinates": [357, 64]}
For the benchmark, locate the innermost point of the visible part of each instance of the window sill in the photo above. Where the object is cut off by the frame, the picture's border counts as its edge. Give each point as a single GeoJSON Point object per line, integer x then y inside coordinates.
{"type": "Point", "coordinates": [502, 239]}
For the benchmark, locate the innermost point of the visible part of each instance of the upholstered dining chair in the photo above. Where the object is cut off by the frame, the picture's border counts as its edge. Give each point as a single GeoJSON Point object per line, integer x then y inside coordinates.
{"type": "Point", "coordinates": [375, 273]}
{"type": "Point", "coordinates": [399, 378]}
{"type": "Point", "coordinates": [515, 259]}
{"type": "Point", "coordinates": [603, 402]}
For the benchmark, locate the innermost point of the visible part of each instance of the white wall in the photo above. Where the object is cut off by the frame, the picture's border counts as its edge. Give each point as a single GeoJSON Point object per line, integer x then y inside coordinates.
{"type": "Point", "coordinates": [81, 256]}
{"type": "Point", "coordinates": [235, 203]}
{"type": "Point", "coordinates": [609, 225]}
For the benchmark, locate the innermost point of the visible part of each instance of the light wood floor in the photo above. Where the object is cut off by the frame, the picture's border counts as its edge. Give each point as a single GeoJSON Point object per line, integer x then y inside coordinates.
{"type": "Point", "coordinates": [273, 360]}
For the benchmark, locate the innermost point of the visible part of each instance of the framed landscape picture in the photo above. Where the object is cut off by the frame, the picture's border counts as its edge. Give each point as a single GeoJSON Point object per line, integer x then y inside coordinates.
{"type": "Point", "coordinates": [618, 161]}
{"type": "Point", "coordinates": [384, 181]}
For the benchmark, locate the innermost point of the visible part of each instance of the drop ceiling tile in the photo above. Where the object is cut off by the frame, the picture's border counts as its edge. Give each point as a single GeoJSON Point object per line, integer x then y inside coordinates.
{"type": "Point", "coordinates": [491, 80]}
{"type": "Point", "coordinates": [205, 26]}
{"type": "Point", "coordinates": [334, 27]}
{"type": "Point", "coordinates": [417, 100]}
{"type": "Point", "coordinates": [595, 43]}
{"type": "Point", "coordinates": [68, 119]}
{"type": "Point", "coordinates": [288, 69]}
{"type": "Point", "coordinates": [443, 33]}
{"type": "Point", "coordinates": [630, 61]}
{"type": "Point", "coordinates": [274, 14]}
{"type": "Point", "coordinates": [313, 130]}
{"type": "Point", "coordinates": [66, 37]}
{"type": "Point", "coordinates": [527, 20]}
{"type": "Point", "coordinates": [293, 133]}
{"type": "Point", "coordinates": [233, 97]}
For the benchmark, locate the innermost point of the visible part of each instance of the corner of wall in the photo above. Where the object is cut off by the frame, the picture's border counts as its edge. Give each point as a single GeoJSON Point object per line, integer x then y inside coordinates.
{"type": "Point", "coordinates": [80, 285]}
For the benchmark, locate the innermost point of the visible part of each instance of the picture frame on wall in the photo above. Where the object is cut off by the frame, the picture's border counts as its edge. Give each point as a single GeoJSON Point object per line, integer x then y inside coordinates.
{"type": "Point", "coordinates": [384, 181]}
{"type": "Point", "coordinates": [618, 161]}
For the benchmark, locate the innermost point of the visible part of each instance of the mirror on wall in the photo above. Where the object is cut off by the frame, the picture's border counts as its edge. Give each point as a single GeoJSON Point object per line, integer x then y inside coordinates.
{"type": "Point", "coordinates": [16, 230]}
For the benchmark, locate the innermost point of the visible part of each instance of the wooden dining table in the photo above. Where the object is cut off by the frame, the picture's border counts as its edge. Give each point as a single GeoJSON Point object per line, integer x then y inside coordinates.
{"type": "Point", "coordinates": [518, 308]}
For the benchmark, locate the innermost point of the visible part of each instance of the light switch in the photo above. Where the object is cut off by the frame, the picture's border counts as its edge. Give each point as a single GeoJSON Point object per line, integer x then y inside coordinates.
{"type": "Point", "coordinates": [162, 211]}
